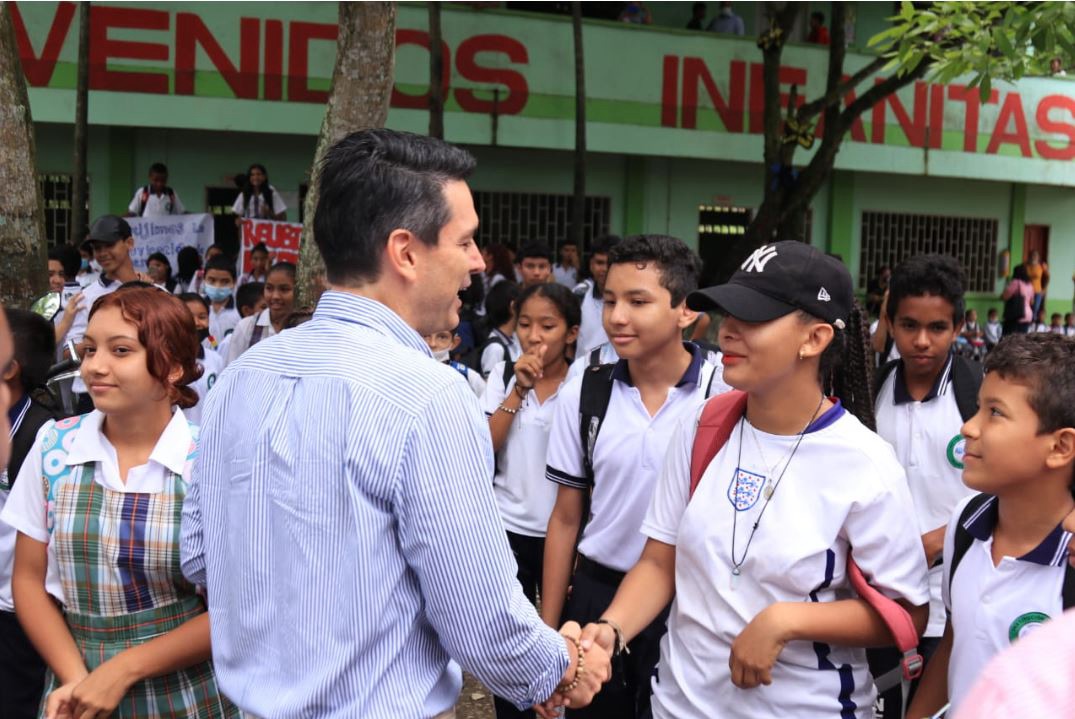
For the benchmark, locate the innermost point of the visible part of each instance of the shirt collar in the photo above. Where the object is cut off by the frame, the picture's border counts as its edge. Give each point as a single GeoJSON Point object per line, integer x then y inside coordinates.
{"type": "Point", "coordinates": [1052, 552]}
{"type": "Point", "coordinates": [263, 318]}
{"type": "Point", "coordinates": [171, 450]}
{"type": "Point", "coordinates": [17, 412]}
{"type": "Point", "coordinates": [833, 413]}
{"type": "Point", "coordinates": [691, 376]}
{"type": "Point", "coordinates": [360, 310]}
{"type": "Point", "coordinates": [900, 395]}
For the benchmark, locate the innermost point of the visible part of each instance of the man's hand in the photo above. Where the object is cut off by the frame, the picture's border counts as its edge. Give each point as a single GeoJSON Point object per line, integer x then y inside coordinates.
{"type": "Point", "coordinates": [592, 672]}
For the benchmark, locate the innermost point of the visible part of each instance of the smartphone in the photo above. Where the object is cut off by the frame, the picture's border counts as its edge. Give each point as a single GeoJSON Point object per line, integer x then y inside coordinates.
{"type": "Point", "coordinates": [68, 292]}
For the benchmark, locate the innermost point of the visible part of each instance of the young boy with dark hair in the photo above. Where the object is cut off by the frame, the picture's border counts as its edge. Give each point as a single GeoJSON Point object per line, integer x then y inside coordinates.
{"type": "Point", "coordinates": [591, 331]}
{"type": "Point", "coordinates": [994, 330]}
{"type": "Point", "coordinates": [259, 265]}
{"type": "Point", "coordinates": [922, 400]}
{"type": "Point", "coordinates": [22, 671]}
{"type": "Point", "coordinates": [1005, 550]}
{"type": "Point", "coordinates": [219, 286]}
{"type": "Point", "coordinates": [156, 198]}
{"type": "Point", "coordinates": [628, 412]}
{"type": "Point", "coordinates": [534, 261]}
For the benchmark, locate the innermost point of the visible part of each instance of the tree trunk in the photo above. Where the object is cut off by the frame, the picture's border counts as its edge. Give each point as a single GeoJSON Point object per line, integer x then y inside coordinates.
{"type": "Point", "coordinates": [578, 206]}
{"type": "Point", "coordinates": [361, 90]}
{"type": "Point", "coordinates": [436, 74]}
{"type": "Point", "coordinates": [24, 269]}
{"type": "Point", "coordinates": [79, 180]}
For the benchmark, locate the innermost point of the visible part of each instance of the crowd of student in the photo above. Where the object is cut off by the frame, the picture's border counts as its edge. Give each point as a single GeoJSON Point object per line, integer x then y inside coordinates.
{"type": "Point", "coordinates": [686, 515]}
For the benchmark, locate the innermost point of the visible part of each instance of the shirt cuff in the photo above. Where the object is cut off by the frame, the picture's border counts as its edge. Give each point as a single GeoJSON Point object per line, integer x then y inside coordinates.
{"type": "Point", "coordinates": [568, 480]}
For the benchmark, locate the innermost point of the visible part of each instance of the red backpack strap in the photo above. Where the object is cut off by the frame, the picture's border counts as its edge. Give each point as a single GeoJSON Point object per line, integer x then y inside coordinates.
{"type": "Point", "coordinates": [715, 424]}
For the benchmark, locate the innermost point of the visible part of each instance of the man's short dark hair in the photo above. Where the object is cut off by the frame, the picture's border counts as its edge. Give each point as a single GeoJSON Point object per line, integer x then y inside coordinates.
{"type": "Point", "coordinates": [248, 294]}
{"type": "Point", "coordinates": [158, 168]}
{"type": "Point", "coordinates": [373, 182]}
{"type": "Point", "coordinates": [677, 264]}
{"type": "Point", "coordinates": [498, 302]}
{"type": "Point", "coordinates": [533, 250]}
{"type": "Point", "coordinates": [927, 275]}
{"type": "Point", "coordinates": [601, 245]}
{"type": "Point", "coordinates": [35, 346]}
{"type": "Point", "coordinates": [819, 16]}
{"type": "Point", "coordinates": [1045, 362]}
{"type": "Point", "coordinates": [69, 259]}
{"type": "Point", "coordinates": [221, 262]}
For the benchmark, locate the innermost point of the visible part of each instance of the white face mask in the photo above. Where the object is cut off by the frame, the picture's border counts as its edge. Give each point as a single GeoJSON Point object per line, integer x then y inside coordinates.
{"type": "Point", "coordinates": [442, 355]}
{"type": "Point", "coordinates": [95, 266]}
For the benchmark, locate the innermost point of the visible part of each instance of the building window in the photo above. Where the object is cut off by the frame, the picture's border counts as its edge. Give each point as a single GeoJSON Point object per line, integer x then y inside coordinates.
{"type": "Point", "coordinates": [516, 218]}
{"type": "Point", "coordinates": [888, 238]}
{"type": "Point", "coordinates": [56, 195]}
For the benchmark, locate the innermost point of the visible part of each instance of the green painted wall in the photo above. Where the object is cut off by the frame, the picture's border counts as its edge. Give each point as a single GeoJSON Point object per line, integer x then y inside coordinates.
{"type": "Point", "coordinates": [1055, 207]}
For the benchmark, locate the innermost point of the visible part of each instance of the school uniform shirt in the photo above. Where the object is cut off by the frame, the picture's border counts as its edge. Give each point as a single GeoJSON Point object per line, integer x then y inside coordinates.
{"type": "Point", "coordinates": [212, 365]}
{"type": "Point", "coordinates": [103, 286]}
{"type": "Point", "coordinates": [1039, 327]}
{"type": "Point", "coordinates": [25, 509]}
{"type": "Point", "coordinates": [471, 375]}
{"type": "Point", "coordinates": [257, 208]}
{"type": "Point", "coordinates": [929, 446]}
{"type": "Point", "coordinates": [244, 332]}
{"type": "Point", "coordinates": [607, 355]}
{"type": "Point", "coordinates": [627, 457]}
{"type": "Point", "coordinates": [222, 323]}
{"type": "Point", "coordinates": [893, 352]}
{"type": "Point", "coordinates": [494, 352]}
{"type": "Point", "coordinates": [842, 488]}
{"type": "Point", "coordinates": [249, 277]}
{"type": "Point", "coordinates": [1069, 331]}
{"type": "Point", "coordinates": [992, 606]}
{"type": "Point", "coordinates": [523, 495]}
{"type": "Point", "coordinates": [993, 332]}
{"type": "Point", "coordinates": [566, 276]}
{"type": "Point", "coordinates": [591, 328]}
{"type": "Point", "coordinates": [156, 205]}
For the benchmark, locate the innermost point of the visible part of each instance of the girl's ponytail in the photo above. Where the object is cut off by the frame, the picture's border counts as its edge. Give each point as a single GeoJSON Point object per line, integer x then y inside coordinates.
{"type": "Point", "coordinates": [847, 367]}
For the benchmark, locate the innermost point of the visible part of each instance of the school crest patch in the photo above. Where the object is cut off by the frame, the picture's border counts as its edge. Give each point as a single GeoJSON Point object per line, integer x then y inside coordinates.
{"type": "Point", "coordinates": [957, 448]}
{"type": "Point", "coordinates": [1026, 623]}
{"type": "Point", "coordinates": [744, 489]}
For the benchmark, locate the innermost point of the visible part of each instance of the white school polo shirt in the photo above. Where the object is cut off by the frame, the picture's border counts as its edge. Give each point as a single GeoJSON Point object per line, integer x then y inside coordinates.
{"type": "Point", "coordinates": [101, 287]}
{"type": "Point", "coordinates": [928, 444]}
{"type": "Point", "coordinates": [239, 339]}
{"type": "Point", "coordinates": [842, 488]}
{"type": "Point", "coordinates": [627, 457]}
{"type": "Point", "coordinates": [993, 606]}
{"type": "Point", "coordinates": [212, 365]}
{"type": "Point", "coordinates": [223, 323]}
{"type": "Point", "coordinates": [494, 352]}
{"type": "Point", "coordinates": [25, 509]}
{"type": "Point", "coordinates": [582, 360]}
{"type": "Point", "coordinates": [156, 205]}
{"type": "Point", "coordinates": [523, 495]}
{"type": "Point", "coordinates": [592, 328]}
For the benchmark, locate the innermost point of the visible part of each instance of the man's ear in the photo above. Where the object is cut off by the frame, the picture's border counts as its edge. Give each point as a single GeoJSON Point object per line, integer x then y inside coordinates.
{"type": "Point", "coordinates": [400, 254]}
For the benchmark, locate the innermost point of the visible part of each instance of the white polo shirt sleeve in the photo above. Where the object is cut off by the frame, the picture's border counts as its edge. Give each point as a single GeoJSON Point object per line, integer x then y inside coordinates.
{"type": "Point", "coordinates": [492, 356]}
{"type": "Point", "coordinates": [892, 559]}
{"type": "Point", "coordinates": [564, 460]}
{"type": "Point", "coordinates": [278, 205]}
{"type": "Point", "coordinates": [672, 493]}
{"type": "Point", "coordinates": [495, 391]}
{"type": "Point", "coordinates": [135, 208]}
{"type": "Point", "coordinates": [237, 206]}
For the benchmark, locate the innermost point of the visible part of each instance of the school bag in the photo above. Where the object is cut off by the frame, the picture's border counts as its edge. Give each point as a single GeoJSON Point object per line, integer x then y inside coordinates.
{"type": "Point", "coordinates": [962, 541]}
{"type": "Point", "coordinates": [143, 198]}
{"type": "Point", "coordinates": [966, 381]}
{"type": "Point", "coordinates": [1014, 308]}
{"type": "Point", "coordinates": [718, 418]}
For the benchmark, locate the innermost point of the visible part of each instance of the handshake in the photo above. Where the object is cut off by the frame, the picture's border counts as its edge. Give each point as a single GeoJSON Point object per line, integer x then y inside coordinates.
{"type": "Point", "coordinates": [591, 651]}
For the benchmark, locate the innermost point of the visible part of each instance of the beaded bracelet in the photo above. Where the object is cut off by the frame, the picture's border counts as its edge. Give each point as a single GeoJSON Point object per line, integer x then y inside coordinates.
{"type": "Point", "coordinates": [580, 668]}
{"type": "Point", "coordinates": [509, 410]}
{"type": "Point", "coordinates": [522, 395]}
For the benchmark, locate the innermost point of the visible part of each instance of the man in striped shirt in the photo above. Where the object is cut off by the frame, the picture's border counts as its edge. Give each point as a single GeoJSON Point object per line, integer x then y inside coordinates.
{"type": "Point", "coordinates": [341, 515]}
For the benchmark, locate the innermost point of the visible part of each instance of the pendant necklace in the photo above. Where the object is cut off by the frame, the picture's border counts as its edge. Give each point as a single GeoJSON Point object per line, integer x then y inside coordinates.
{"type": "Point", "coordinates": [737, 564]}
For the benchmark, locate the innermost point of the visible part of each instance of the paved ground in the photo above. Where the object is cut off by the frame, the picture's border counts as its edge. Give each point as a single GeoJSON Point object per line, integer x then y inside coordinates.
{"type": "Point", "coordinates": [475, 702]}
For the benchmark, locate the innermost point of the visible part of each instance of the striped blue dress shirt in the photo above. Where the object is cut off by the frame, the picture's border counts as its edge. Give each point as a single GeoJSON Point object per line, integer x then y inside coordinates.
{"type": "Point", "coordinates": [342, 519]}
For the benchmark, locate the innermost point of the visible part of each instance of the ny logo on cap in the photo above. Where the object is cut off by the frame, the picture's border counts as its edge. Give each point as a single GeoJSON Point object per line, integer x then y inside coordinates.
{"type": "Point", "coordinates": [757, 261]}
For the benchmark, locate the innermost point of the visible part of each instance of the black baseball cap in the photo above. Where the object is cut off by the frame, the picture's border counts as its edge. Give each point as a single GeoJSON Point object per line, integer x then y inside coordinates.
{"type": "Point", "coordinates": [108, 230]}
{"type": "Point", "coordinates": [779, 278]}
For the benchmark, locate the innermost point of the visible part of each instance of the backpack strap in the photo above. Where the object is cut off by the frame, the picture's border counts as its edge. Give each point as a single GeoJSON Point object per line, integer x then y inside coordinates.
{"type": "Point", "coordinates": [595, 357]}
{"type": "Point", "coordinates": [459, 367]}
{"type": "Point", "coordinates": [509, 370]}
{"type": "Point", "coordinates": [145, 201]}
{"type": "Point", "coordinates": [255, 336]}
{"type": "Point", "coordinates": [1068, 592]}
{"type": "Point", "coordinates": [593, 404]}
{"type": "Point", "coordinates": [966, 381]}
{"type": "Point", "coordinates": [716, 421]}
{"type": "Point", "coordinates": [962, 539]}
{"type": "Point", "coordinates": [882, 374]}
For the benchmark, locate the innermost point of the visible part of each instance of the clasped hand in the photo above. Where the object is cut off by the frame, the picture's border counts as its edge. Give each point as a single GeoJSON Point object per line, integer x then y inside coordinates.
{"type": "Point", "coordinates": [94, 695]}
{"type": "Point", "coordinates": [595, 671]}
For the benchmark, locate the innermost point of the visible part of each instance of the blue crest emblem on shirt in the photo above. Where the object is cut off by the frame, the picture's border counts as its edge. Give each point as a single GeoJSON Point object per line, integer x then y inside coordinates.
{"type": "Point", "coordinates": [744, 489]}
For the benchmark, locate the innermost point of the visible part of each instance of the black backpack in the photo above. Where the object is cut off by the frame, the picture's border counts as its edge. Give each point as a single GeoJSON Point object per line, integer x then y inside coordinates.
{"type": "Point", "coordinates": [144, 198]}
{"type": "Point", "coordinates": [966, 380]}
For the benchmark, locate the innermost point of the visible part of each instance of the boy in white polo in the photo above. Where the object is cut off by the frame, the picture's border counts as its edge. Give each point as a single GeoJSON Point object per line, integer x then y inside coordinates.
{"type": "Point", "coordinates": [658, 380]}
{"type": "Point", "coordinates": [922, 400]}
{"type": "Point", "coordinates": [1005, 551]}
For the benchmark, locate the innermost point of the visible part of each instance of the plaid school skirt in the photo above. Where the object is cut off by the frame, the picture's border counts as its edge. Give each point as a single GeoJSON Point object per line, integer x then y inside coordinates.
{"type": "Point", "coordinates": [190, 693]}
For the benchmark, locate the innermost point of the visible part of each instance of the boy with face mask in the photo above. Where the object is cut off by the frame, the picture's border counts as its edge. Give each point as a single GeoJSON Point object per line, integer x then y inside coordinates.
{"type": "Point", "coordinates": [219, 286]}
{"type": "Point", "coordinates": [442, 344]}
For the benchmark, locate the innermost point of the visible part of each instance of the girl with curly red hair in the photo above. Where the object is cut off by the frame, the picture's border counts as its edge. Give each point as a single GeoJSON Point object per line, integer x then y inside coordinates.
{"type": "Point", "coordinates": [97, 584]}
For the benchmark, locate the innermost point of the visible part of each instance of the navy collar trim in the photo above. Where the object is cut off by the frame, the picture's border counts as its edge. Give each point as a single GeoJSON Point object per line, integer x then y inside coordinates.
{"type": "Point", "coordinates": [900, 395]}
{"type": "Point", "coordinates": [832, 414]}
{"type": "Point", "coordinates": [690, 377]}
{"type": "Point", "coordinates": [1052, 552]}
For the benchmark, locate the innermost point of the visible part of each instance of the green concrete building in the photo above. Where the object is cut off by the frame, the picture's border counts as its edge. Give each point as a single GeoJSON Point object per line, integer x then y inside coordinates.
{"type": "Point", "coordinates": [673, 125]}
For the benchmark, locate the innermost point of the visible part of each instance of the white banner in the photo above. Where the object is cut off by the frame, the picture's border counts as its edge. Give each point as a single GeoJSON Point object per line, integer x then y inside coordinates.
{"type": "Point", "coordinates": [168, 234]}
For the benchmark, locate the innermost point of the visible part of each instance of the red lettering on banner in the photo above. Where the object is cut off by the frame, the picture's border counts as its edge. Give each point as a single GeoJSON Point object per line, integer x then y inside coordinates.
{"type": "Point", "coordinates": [785, 76]}
{"type": "Point", "coordinates": [274, 60]}
{"type": "Point", "coordinates": [730, 110]}
{"type": "Point", "coordinates": [466, 64]}
{"type": "Point", "coordinates": [914, 131]}
{"type": "Point", "coordinates": [973, 100]}
{"type": "Point", "coordinates": [670, 91]}
{"type": "Point", "coordinates": [1045, 150]}
{"type": "Point", "coordinates": [1012, 109]}
{"type": "Point", "coordinates": [420, 38]}
{"type": "Point", "coordinates": [103, 49]}
{"type": "Point", "coordinates": [190, 32]}
{"type": "Point", "coordinates": [38, 70]}
{"type": "Point", "coordinates": [298, 60]}
{"type": "Point", "coordinates": [283, 240]}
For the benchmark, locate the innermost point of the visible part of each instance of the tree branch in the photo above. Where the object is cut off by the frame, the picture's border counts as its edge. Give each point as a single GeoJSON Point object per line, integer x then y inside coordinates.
{"type": "Point", "coordinates": [832, 97]}
{"type": "Point", "coordinates": [878, 92]}
{"type": "Point", "coordinates": [772, 118]}
{"type": "Point", "coordinates": [837, 52]}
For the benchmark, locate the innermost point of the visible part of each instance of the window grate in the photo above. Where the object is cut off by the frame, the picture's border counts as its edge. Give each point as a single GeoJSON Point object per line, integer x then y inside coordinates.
{"type": "Point", "coordinates": [888, 238]}
{"type": "Point", "coordinates": [56, 191]}
{"type": "Point", "coordinates": [516, 218]}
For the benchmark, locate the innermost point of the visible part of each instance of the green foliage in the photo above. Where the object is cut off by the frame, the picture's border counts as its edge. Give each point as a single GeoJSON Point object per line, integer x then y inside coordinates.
{"type": "Point", "coordinates": [988, 40]}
